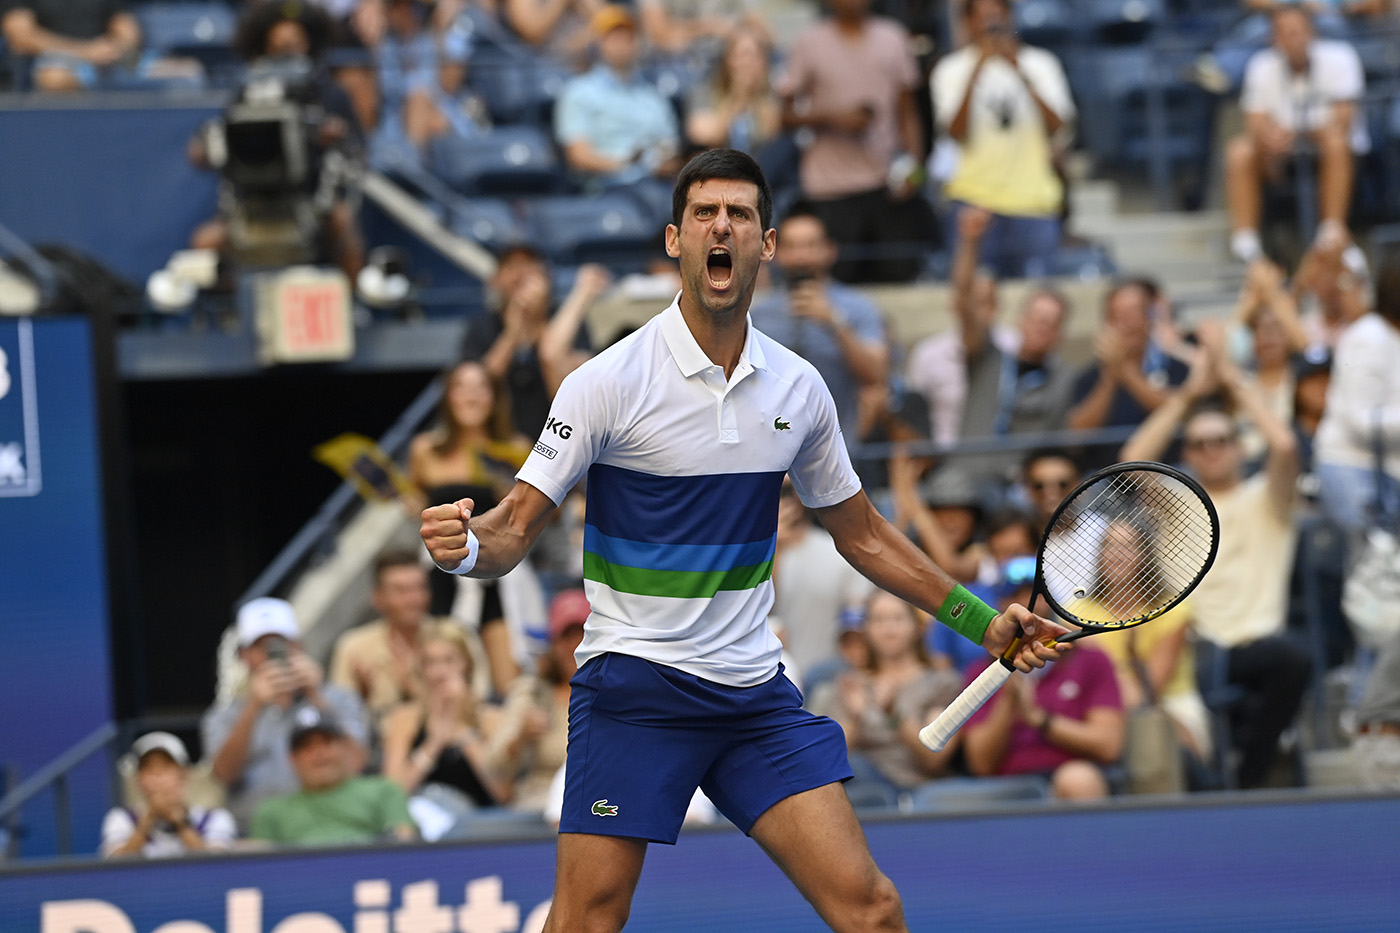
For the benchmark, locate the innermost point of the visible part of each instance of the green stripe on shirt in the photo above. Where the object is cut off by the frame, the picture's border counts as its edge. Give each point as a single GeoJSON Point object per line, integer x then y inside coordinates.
{"type": "Point", "coordinates": [678, 584]}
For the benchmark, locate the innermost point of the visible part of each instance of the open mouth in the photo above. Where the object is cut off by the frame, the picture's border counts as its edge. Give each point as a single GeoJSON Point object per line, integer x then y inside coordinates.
{"type": "Point", "coordinates": [719, 266]}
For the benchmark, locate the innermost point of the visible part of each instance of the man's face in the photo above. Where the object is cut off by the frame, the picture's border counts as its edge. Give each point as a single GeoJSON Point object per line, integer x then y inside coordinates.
{"type": "Point", "coordinates": [1048, 481]}
{"type": "Point", "coordinates": [985, 16]}
{"type": "Point", "coordinates": [804, 248]}
{"type": "Point", "coordinates": [849, 9]}
{"type": "Point", "coordinates": [618, 48]}
{"type": "Point", "coordinates": [720, 243]}
{"type": "Point", "coordinates": [1128, 314]}
{"type": "Point", "coordinates": [1292, 33]}
{"type": "Point", "coordinates": [288, 39]}
{"type": "Point", "coordinates": [402, 595]}
{"type": "Point", "coordinates": [1211, 448]}
{"type": "Point", "coordinates": [514, 268]}
{"type": "Point", "coordinates": [1041, 325]}
{"type": "Point", "coordinates": [320, 761]}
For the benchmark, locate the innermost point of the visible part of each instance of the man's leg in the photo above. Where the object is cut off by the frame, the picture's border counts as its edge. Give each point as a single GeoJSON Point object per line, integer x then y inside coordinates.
{"type": "Point", "coordinates": [1274, 674]}
{"type": "Point", "coordinates": [594, 883]}
{"type": "Point", "coordinates": [815, 839]}
{"type": "Point", "coordinates": [1244, 199]}
{"type": "Point", "coordinates": [1335, 169]}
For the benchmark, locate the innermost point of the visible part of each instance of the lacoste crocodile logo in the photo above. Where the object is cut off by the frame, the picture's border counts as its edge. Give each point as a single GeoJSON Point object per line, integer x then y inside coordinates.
{"type": "Point", "coordinates": [957, 610]}
{"type": "Point", "coordinates": [780, 425]}
{"type": "Point", "coordinates": [603, 808]}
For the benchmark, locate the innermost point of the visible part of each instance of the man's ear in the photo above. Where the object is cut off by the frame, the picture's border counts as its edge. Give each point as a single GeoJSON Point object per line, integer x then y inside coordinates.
{"type": "Point", "coordinates": [673, 241]}
{"type": "Point", "coordinates": [770, 245]}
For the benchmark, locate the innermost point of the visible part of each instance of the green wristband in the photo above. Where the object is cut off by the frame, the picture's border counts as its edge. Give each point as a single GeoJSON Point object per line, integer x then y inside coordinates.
{"type": "Point", "coordinates": [966, 614]}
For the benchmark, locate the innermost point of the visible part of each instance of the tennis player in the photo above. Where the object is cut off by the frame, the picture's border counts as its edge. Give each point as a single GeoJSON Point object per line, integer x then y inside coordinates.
{"type": "Point", "coordinates": [685, 429]}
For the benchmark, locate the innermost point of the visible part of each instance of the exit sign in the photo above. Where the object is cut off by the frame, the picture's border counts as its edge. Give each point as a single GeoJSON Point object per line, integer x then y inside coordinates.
{"type": "Point", "coordinates": [305, 315]}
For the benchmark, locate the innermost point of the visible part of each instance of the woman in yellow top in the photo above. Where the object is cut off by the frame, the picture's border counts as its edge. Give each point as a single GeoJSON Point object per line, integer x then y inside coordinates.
{"type": "Point", "coordinates": [1154, 662]}
{"type": "Point", "coordinates": [471, 453]}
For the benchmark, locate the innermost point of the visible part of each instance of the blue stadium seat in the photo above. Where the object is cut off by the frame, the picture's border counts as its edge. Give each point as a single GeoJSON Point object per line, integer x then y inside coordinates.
{"type": "Point", "coordinates": [504, 161]}
{"type": "Point", "coordinates": [199, 30]}
{"type": "Point", "coordinates": [613, 228]}
{"type": "Point", "coordinates": [1122, 22]}
{"type": "Point", "coordinates": [1049, 24]}
{"type": "Point", "coordinates": [492, 222]}
{"type": "Point", "coordinates": [518, 87]}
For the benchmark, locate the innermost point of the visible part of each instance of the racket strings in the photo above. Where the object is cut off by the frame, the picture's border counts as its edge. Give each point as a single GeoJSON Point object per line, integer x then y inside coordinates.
{"type": "Point", "coordinates": [1127, 547]}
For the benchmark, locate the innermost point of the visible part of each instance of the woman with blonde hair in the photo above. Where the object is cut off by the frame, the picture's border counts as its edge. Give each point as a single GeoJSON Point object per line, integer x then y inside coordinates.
{"type": "Point", "coordinates": [472, 453]}
{"type": "Point", "coordinates": [435, 747]}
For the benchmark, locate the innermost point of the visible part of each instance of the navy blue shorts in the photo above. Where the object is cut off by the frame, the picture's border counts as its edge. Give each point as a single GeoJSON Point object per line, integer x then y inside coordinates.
{"type": "Point", "coordinates": [643, 736]}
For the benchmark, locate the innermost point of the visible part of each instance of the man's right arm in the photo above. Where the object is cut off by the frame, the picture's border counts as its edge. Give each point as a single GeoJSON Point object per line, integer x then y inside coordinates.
{"type": "Point", "coordinates": [503, 535]}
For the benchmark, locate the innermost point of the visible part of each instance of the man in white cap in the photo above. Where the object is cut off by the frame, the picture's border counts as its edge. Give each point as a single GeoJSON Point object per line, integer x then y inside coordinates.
{"type": "Point", "coordinates": [247, 737]}
{"type": "Point", "coordinates": [167, 824]}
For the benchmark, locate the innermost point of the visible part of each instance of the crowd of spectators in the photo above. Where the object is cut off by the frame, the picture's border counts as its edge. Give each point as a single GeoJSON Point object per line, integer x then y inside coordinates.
{"type": "Point", "coordinates": [445, 714]}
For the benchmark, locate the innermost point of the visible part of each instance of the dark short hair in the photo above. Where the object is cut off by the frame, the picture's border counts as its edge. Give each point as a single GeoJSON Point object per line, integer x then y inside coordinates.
{"type": "Point", "coordinates": [1388, 287]}
{"type": "Point", "coordinates": [967, 7]}
{"type": "Point", "coordinates": [727, 164]}
{"type": "Point", "coordinates": [258, 22]}
{"type": "Point", "coordinates": [1051, 453]}
{"type": "Point", "coordinates": [391, 559]}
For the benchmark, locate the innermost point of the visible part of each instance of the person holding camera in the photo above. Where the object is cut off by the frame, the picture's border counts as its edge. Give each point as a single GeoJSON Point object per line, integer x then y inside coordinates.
{"type": "Point", "coordinates": [1004, 104]}
{"type": "Point", "coordinates": [835, 328]}
{"type": "Point", "coordinates": [248, 736]}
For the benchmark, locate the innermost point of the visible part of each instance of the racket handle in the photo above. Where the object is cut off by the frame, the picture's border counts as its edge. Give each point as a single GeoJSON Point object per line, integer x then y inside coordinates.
{"type": "Point", "coordinates": [936, 734]}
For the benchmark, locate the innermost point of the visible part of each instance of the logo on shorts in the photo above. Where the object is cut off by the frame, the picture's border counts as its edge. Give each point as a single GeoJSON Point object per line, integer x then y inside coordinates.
{"type": "Point", "coordinates": [780, 425]}
{"type": "Point", "coordinates": [603, 808]}
{"type": "Point", "coordinates": [545, 450]}
{"type": "Point", "coordinates": [957, 610]}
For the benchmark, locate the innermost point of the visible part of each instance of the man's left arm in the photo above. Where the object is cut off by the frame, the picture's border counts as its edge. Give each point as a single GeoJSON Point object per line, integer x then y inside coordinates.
{"type": "Point", "coordinates": [892, 562]}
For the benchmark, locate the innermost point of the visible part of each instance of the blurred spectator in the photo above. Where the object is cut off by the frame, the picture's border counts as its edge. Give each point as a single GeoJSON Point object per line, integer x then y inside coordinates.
{"type": "Point", "coordinates": [1004, 104]}
{"type": "Point", "coordinates": [1007, 393]}
{"type": "Point", "coordinates": [332, 804]}
{"type": "Point", "coordinates": [1267, 335]}
{"type": "Point", "coordinates": [1327, 8]}
{"type": "Point", "coordinates": [247, 737]}
{"type": "Point", "coordinates": [167, 823]}
{"type": "Point", "coordinates": [287, 40]}
{"type": "Point", "coordinates": [1155, 663]}
{"type": "Point", "coordinates": [1363, 412]}
{"type": "Point", "coordinates": [883, 705]}
{"type": "Point", "coordinates": [523, 346]}
{"type": "Point", "coordinates": [435, 746]}
{"type": "Point", "coordinates": [379, 660]}
{"type": "Point", "coordinates": [815, 592]}
{"type": "Point", "coordinates": [1047, 476]}
{"type": "Point", "coordinates": [695, 27]}
{"type": "Point", "coordinates": [530, 741]}
{"type": "Point", "coordinates": [1131, 375]}
{"type": "Point", "coordinates": [836, 329]}
{"type": "Point", "coordinates": [851, 82]}
{"type": "Point", "coordinates": [1015, 572]}
{"type": "Point", "coordinates": [736, 108]}
{"type": "Point", "coordinates": [1330, 288]}
{"type": "Point", "coordinates": [1299, 97]}
{"type": "Point", "coordinates": [944, 516]}
{"type": "Point", "coordinates": [613, 125]}
{"type": "Point", "coordinates": [1241, 606]}
{"type": "Point", "coordinates": [422, 61]}
{"type": "Point", "coordinates": [75, 44]}
{"type": "Point", "coordinates": [471, 454]}
{"type": "Point", "coordinates": [1376, 747]}
{"type": "Point", "coordinates": [1061, 724]}
{"type": "Point", "coordinates": [558, 28]}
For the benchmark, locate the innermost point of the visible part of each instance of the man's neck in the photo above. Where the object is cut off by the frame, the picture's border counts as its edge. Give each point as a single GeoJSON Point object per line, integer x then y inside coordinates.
{"type": "Point", "coordinates": [720, 337]}
{"type": "Point", "coordinates": [407, 631]}
{"type": "Point", "coordinates": [851, 25]}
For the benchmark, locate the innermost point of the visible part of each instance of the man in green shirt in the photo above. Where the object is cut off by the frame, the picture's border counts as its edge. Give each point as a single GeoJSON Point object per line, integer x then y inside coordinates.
{"type": "Point", "coordinates": [334, 806]}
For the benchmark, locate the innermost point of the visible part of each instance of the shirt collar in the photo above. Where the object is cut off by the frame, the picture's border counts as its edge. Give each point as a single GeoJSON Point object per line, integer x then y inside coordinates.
{"type": "Point", "coordinates": [687, 353]}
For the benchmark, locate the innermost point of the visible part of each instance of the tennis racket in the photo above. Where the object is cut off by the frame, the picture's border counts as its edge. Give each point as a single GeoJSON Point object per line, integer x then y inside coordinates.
{"type": "Point", "coordinates": [1126, 545]}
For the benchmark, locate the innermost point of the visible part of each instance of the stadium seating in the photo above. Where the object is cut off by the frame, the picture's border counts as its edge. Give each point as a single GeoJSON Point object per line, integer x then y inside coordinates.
{"type": "Point", "coordinates": [613, 228]}
{"type": "Point", "coordinates": [200, 30]}
{"type": "Point", "coordinates": [502, 162]}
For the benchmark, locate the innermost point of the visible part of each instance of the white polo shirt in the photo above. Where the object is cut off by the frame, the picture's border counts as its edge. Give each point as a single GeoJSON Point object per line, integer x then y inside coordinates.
{"type": "Point", "coordinates": [1303, 102]}
{"type": "Point", "coordinates": [684, 470]}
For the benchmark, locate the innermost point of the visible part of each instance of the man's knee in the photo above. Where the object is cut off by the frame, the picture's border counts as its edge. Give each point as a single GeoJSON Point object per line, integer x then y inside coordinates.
{"type": "Point", "coordinates": [878, 907]}
{"type": "Point", "coordinates": [1241, 155]}
{"type": "Point", "coordinates": [1078, 780]}
{"type": "Point", "coordinates": [56, 80]}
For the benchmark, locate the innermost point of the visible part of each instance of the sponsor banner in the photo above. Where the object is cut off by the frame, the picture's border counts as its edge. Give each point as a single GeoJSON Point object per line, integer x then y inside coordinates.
{"type": "Point", "coordinates": [1316, 865]}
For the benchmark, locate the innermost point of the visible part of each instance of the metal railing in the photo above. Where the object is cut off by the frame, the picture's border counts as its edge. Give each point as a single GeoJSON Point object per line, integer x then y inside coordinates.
{"type": "Point", "coordinates": [54, 775]}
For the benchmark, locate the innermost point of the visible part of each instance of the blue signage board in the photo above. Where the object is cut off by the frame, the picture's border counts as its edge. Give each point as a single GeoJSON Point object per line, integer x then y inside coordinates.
{"type": "Point", "coordinates": [55, 665]}
{"type": "Point", "coordinates": [1322, 865]}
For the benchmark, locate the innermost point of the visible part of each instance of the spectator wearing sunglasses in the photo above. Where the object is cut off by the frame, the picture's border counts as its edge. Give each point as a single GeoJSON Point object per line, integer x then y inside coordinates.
{"type": "Point", "coordinates": [1047, 476]}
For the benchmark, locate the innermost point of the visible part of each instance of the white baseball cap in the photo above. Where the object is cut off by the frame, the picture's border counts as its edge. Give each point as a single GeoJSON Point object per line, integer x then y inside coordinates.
{"type": "Point", "coordinates": [160, 742]}
{"type": "Point", "coordinates": [266, 615]}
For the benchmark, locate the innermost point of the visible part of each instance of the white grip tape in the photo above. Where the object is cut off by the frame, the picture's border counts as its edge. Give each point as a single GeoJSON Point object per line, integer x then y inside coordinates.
{"type": "Point", "coordinates": [936, 734]}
